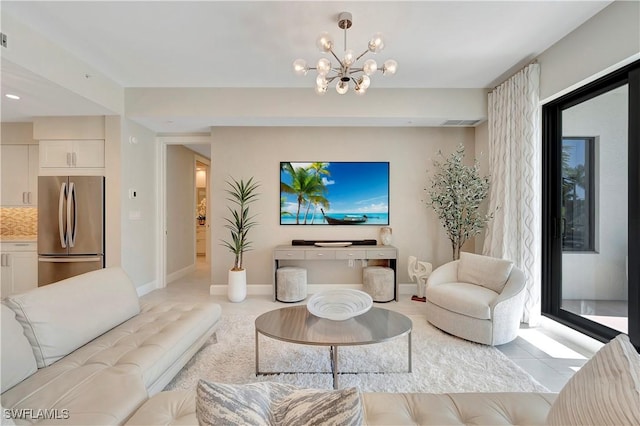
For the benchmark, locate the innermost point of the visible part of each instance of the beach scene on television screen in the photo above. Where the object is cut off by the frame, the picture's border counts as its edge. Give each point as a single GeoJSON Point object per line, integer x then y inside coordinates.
{"type": "Point", "coordinates": [334, 193]}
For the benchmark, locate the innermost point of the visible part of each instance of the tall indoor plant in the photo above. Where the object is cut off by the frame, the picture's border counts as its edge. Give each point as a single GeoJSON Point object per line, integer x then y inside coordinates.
{"type": "Point", "coordinates": [456, 193]}
{"type": "Point", "coordinates": [241, 194]}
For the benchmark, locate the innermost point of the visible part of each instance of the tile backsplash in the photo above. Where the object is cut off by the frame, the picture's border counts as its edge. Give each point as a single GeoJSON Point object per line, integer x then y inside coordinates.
{"type": "Point", "coordinates": [18, 221]}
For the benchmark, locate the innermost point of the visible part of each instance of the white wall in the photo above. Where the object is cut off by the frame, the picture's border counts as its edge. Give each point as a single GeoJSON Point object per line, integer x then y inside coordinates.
{"type": "Point", "coordinates": [181, 217]}
{"type": "Point", "coordinates": [245, 152]}
{"type": "Point", "coordinates": [601, 275]}
{"type": "Point", "coordinates": [138, 215]}
{"type": "Point", "coordinates": [609, 38]}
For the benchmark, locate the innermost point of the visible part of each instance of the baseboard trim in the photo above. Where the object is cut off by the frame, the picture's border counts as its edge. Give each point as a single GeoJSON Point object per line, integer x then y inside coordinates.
{"type": "Point", "coordinates": [181, 273]}
{"type": "Point", "coordinates": [146, 288]}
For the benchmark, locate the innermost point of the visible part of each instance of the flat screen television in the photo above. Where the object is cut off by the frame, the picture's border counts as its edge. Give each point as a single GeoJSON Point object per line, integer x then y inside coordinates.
{"type": "Point", "coordinates": [334, 193]}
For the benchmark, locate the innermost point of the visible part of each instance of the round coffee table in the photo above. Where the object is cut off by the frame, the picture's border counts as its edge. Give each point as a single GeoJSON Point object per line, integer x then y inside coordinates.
{"type": "Point", "coordinates": [296, 324]}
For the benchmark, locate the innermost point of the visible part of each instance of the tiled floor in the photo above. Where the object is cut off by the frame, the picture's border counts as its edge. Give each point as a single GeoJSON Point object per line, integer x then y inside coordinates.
{"type": "Point", "coordinates": [550, 353]}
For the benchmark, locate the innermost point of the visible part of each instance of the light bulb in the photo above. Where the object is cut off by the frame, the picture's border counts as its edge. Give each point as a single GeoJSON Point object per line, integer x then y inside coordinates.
{"type": "Point", "coordinates": [360, 90]}
{"type": "Point", "coordinates": [342, 87]}
{"type": "Point", "coordinates": [390, 67]}
{"type": "Point", "coordinates": [349, 58]}
{"type": "Point", "coordinates": [321, 90]}
{"type": "Point", "coordinates": [321, 81]}
{"type": "Point", "coordinates": [369, 67]}
{"type": "Point", "coordinates": [323, 66]}
{"type": "Point", "coordinates": [324, 42]}
{"type": "Point", "coordinates": [376, 43]}
{"type": "Point", "coordinates": [364, 82]}
{"type": "Point", "coordinates": [300, 67]}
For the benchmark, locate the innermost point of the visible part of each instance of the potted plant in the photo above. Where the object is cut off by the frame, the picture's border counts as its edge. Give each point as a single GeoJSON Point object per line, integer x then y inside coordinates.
{"type": "Point", "coordinates": [240, 194]}
{"type": "Point", "coordinates": [456, 193]}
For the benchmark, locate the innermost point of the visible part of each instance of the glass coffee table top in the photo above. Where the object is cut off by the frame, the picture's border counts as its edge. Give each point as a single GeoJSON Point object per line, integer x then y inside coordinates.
{"type": "Point", "coordinates": [296, 324]}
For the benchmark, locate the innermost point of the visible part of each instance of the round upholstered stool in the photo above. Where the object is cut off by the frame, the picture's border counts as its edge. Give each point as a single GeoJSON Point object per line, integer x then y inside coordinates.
{"type": "Point", "coordinates": [292, 284]}
{"type": "Point", "coordinates": [378, 281]}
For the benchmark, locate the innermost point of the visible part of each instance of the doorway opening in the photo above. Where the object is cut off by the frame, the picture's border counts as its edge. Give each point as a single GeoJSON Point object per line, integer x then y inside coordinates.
{"type": "Point", "coordinates": [183, 201]}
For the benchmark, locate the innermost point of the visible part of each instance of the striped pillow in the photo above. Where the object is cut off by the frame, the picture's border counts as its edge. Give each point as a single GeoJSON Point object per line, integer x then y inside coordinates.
{"type": "Point", "coordinates": [269, 403]}
{"type": "Point", "coordinates": [308, 407]}
{"type": "Point", "coordinates": [605, 391]}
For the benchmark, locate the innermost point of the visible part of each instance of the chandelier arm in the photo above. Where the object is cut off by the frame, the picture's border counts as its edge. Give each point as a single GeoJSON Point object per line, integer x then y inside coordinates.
{"type": "Point", "coordinates": [330, 79]}
{"type": "Point", "coordinates": [357, 86]}
{"type": "Point", "coordinates": [336, 56]}
{"type": "Point", "coordinates": [361, 55]}
{"type": "Point", "coordinates": [355, 70]}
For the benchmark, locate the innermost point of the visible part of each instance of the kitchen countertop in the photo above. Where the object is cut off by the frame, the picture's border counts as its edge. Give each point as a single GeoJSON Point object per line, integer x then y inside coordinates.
{"type": "Point", "coordinates": [18, 238]}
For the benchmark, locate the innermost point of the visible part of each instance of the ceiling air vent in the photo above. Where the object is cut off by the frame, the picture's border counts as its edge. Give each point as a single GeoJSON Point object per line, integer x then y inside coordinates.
{"type": "Point", "coordinates": [461, 122]}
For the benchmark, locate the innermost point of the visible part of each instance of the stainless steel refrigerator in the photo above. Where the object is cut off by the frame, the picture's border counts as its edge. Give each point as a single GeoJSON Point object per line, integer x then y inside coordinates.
{"type": "Point", "coordinates": [70, 226]}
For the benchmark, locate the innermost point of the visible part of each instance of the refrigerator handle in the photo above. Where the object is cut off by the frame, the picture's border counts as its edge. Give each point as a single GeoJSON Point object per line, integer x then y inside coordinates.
{"type": "Point", "coordinates": [61, 224]}
{"type": "Point", "coordinates": [72, 222]}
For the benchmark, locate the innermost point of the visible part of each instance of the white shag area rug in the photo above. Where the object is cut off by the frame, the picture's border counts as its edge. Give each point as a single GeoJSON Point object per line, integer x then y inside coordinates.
{"type": "Point", "coordinates": [441, 363]}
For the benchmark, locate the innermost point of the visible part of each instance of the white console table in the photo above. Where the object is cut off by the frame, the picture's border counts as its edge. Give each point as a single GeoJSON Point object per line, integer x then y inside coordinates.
{"type": "Point", "coordinates": [353, 252]}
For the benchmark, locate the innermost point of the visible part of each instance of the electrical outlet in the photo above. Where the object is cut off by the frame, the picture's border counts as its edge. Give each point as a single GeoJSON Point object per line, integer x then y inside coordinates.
{"type": "Point", "coordinates": [350, 262]}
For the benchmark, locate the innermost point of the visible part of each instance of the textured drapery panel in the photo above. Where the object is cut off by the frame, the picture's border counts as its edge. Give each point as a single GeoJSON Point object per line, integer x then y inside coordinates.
{"type": "Point", "coordinates": [514, 157]}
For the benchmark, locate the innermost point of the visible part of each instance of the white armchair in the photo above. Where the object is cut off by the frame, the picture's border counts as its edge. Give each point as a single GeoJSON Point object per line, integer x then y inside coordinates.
{"type": "Point", "coordinates": [477, 298]}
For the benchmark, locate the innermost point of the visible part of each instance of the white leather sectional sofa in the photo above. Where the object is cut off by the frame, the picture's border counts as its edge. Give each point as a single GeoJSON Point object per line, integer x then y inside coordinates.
{"type": "Point", "coordinates": [85, 351]}
{"type": "Point", "coordinates": [179, 408]}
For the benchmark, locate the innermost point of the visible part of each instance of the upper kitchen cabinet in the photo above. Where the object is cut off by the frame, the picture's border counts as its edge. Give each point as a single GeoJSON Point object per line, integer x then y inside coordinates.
{"type": "Point", "coordinates": [19, 175]}
{"type": "Point", "coordinates": [72, 154]}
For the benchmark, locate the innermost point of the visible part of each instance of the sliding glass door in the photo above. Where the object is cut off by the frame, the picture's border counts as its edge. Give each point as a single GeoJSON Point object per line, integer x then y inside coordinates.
{"type": "Point", "coordinates": [591, 197]}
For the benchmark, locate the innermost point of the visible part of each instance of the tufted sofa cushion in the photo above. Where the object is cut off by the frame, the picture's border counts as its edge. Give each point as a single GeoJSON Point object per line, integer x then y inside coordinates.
{"type": "Point", "coordinates": [178, 408]}
{"type": "Point", "coordinates": [105, 380]}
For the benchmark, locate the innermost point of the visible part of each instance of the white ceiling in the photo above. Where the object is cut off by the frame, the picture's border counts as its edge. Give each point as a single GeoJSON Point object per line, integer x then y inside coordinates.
{"type": "Point", "coordinates": [245, 44]}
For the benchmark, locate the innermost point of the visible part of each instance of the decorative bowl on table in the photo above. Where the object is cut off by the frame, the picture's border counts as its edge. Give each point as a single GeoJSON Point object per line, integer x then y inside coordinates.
{"type": "Point", "coordinates": [339, 305]}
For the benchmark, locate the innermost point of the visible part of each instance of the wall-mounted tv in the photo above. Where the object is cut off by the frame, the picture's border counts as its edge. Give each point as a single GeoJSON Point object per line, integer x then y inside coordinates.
{"type": "Point", "coordinates": [334, 193]}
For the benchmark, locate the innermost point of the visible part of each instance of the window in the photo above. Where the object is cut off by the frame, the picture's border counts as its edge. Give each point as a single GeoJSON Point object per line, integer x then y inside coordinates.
{"type": "Point", "coordinates": [590, 205]}
{"type": "Point", "coordinates": [578, 201]}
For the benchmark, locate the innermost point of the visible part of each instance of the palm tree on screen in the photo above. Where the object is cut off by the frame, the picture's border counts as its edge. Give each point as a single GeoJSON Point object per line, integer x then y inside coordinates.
{"type": "Point", "coordinates": [304, 185]}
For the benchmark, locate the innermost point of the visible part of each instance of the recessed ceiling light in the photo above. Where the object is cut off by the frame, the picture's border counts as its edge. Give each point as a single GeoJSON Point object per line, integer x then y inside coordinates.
{"type": "Point", "coordinates": [10, 96]}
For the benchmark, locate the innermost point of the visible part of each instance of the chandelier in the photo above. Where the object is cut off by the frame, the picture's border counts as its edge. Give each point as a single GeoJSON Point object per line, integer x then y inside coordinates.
{"type": "Point", "coordinates": [346, 71]}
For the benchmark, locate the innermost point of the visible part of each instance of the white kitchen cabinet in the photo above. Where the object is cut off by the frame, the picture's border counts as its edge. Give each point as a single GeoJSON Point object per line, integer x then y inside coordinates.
{"type": "Point", "coordinates": [19, 268]}
{"type": "Point", "coordinates": [201, 239]}
{"type": "Point", "coordinates": [19, 175]}
{"type": "Point", "coordinates": [72, 153]}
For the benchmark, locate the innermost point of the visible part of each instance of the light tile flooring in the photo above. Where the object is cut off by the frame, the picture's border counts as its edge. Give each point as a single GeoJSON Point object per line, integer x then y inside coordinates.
{"type": "Point", "coordinates": [550, 353]}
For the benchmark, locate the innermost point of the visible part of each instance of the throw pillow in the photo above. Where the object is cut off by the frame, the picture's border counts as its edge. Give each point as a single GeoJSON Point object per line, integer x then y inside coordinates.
{"type": "Point", "coordinates": [605, 391]}
{"type": "Point", "coordinates": [18, 361]}
{"type": "Point", "coordinates": [489, 272]}
{"type": "Point", "coordinates": [250, 404]}
{"type": "Point", "coordinates": [312, 407]}
{"type": "Point", "coordinates": [270, 403]}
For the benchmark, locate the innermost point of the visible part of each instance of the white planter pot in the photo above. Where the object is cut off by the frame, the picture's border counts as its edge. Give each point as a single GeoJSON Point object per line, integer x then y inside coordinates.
{"type": "Point", "coordinates": [237, 288]}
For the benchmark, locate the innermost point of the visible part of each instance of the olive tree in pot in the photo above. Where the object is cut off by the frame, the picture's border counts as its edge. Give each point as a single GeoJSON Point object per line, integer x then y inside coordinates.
{"type": "Point", "coordinates": [456, 193]}
{"type": "Point", "coordinates": [241, 194]}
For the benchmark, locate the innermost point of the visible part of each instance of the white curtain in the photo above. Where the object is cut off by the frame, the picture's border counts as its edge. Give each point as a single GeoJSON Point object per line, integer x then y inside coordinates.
{"type": "Point", "coordinates": [515, 169]}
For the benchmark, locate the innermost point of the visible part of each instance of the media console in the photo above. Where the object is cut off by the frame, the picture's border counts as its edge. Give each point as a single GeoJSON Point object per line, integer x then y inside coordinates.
{"type": "Point", "coordinates": [352, 252]}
